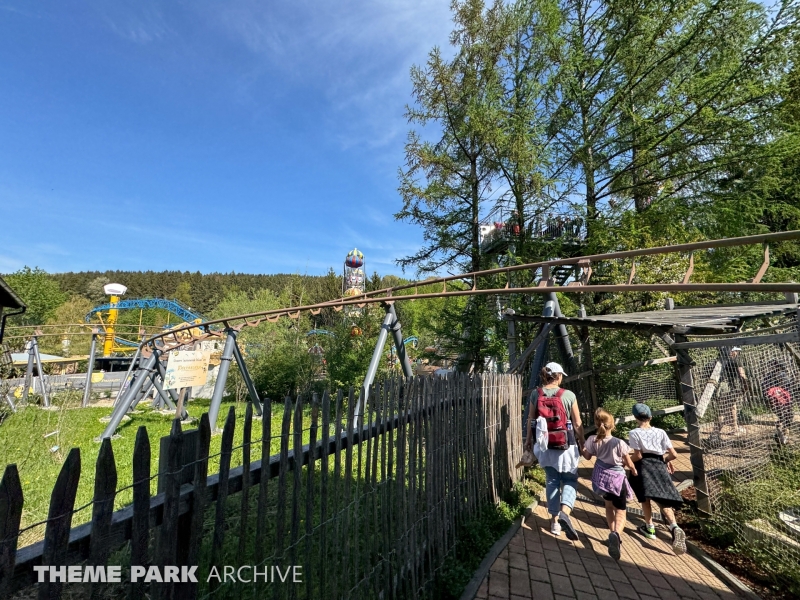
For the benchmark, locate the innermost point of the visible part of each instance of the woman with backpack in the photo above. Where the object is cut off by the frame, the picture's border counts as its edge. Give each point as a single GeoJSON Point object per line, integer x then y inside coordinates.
{"type": "Point", "coordinates": [558, 423]}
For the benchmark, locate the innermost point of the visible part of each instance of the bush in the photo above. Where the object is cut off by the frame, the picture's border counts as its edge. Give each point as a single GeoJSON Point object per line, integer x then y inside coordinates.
{"type": "Point", "coordinates": [475, 538]}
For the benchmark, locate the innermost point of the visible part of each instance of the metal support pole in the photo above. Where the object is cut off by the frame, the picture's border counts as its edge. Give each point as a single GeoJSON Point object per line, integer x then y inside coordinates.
{"type": "Point", "coordinates": [158, 401]}
{"type": "Point", "coordinates": [165, 397]}
{"type": "Point", "coordinates": [28, 372]}
{"type": "Point", "coordinates": [171, 397]}
{"type": "Point", "coordinates": [251, 388]}
{"type": "Point", "coordinates": [397, 334]}
{"type": "Point", "coordinates": [87, 387]}
{"type": "Point", "coordinates": [562, 338]}
{"type": "Point", "coordinates": [512, 337]}
{"type": "Point", "coordinates": [222, 378]}
{"type": "Point", "coordinates": [537, 364]}
{"type": "Point", "coordinates": [122, 387]}
{"type": "Point", "coordinates": [40, 366]}
{"type": "Point", "coordinates": [133, 392]}
{"type": "Point", "coordinates": [375, 361]}
{"type": "Point", "coordinates": [11, 402]}
{"type": "Point", "coordinates": [686, 384]}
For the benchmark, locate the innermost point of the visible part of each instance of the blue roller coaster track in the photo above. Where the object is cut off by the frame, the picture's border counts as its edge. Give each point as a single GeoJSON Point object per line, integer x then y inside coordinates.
{"type": "Point", "coordinates": [176, 308]}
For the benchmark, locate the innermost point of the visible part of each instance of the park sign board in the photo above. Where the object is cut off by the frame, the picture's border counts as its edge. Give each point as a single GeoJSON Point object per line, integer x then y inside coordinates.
{"type": "Point", "coordinates": [186, 368]}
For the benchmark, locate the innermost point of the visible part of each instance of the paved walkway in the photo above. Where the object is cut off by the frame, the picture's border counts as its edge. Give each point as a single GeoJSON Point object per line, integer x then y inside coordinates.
{"type": "Point", "coordinates": [537, 565]}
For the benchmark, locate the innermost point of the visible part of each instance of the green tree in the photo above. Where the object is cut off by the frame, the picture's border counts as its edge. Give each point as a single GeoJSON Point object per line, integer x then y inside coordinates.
{"type": "Point", "coordinates": [446, 182]}
{"type": "Point", "coordinates": [655, 103]}
{"type": "Point", "coordinates": [39, 292]}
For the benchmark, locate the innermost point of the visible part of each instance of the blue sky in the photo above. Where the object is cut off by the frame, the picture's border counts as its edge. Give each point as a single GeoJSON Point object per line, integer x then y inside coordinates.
{"type": "Point", "coordinates": [250, 136]}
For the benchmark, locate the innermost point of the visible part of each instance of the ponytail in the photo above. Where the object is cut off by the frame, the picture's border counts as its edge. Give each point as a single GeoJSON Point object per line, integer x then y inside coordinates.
{"type": "Point", "coordinates": [546, 376]}
{"type": "Point", "coordinates": [604, 421]}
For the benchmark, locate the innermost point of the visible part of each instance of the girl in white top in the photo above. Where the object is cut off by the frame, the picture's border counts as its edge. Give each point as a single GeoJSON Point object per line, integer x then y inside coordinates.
{"type": "Point", "coordinates": [653, 455]}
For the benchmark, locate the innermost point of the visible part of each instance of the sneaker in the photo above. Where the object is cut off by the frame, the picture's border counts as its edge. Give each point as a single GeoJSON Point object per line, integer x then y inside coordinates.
{"type": "Point", "coordinates": [678, 541]}
{"type": "Point", "coordinates": [555, 528]}
{"type": "Point", "coordinates": [613, 545]}
{"type": "Point", "coordinates": [566, 524]}
{"type": "Point", "coordinates": [648, 531]}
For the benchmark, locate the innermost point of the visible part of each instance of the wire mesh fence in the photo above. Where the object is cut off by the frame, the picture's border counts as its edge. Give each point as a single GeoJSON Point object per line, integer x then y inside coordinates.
{"type": "Point", "coordinates": [747, 406]}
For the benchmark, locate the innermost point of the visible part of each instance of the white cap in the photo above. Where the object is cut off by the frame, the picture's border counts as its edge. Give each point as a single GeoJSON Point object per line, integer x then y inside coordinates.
{"type": "Point", "coordinates": [554, 367]}
{"type": "Point", "coordinates": [736, 349]}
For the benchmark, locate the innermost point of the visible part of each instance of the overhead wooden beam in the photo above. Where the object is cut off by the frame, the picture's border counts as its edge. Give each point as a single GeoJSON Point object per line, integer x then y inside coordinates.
{"type": "Point", "coordinates": [779, 338]}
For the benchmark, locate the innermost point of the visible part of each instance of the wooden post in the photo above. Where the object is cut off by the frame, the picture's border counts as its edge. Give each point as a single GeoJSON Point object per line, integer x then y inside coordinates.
{"type": "Point", "coordinates": [244, 526]}
{"type": "Point", "coordinates": [10, 518]}
{"type": "Point", "coordinates": [105, 490]}
{"type": "Point", "coordinates": [189, 552]}
{"type": "Point", "coordinates": [140, 523]}
{"type": "Point", "coordinates": [280, 515]}
{"type": "Point", "coordinates": [312, 451]}
{"type": "Point", "coordinates": [226, 448]}
{"type": "Point", "coordinates": [684, 371]}
{"type": "Point", "coordinates": [167, 544]}
{"type": "Point", "coordinates": [297, 467]}
{"type": "Point", "coordinates": [263, 488]}
{"type": "Point", "coordinates": [59, 522]}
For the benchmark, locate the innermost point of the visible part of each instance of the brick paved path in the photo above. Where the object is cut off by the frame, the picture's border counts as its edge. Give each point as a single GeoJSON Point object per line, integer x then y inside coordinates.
{"type": "Point", "coordinates": [537, 565]}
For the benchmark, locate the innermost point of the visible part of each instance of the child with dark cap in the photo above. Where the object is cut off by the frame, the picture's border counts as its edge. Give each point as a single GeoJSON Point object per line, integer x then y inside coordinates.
{"type": "Point", "coordinates": [652, 456]}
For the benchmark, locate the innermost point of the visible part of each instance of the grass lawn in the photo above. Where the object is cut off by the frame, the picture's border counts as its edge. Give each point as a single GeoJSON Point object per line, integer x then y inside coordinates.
{"type": "Point", "coordinates": [39, 458]}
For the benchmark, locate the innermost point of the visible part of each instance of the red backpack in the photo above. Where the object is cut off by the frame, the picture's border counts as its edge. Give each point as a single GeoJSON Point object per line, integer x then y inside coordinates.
{"type": "Point", "coordinates": [552, 409]}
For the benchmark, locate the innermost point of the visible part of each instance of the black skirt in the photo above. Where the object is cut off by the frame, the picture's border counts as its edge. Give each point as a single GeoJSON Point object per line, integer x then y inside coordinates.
{"type": "Point", "coordinates": [653, 482]}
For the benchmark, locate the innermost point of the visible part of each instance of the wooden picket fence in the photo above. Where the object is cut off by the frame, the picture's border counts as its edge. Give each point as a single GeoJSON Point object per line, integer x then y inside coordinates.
{"type": "Point", "coordinates": [369, 507]}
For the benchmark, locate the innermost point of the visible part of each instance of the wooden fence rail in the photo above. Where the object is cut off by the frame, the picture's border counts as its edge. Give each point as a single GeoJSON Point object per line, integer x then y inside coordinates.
{"type": "Point", "coordinates": [379, 519]}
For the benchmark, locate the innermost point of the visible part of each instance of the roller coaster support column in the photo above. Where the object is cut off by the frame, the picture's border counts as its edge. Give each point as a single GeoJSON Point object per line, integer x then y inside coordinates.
{"type": "Point", "coordinates": [113, 313]}
{"type": "Point", "coordinates": [562, 338]}
{"type": "Point", "coordinates": [222, 378]}
{"type": "Point", "coordinates": [123, 387]}
{"type": "Point", "coordinates": [40, 367]}
{"type": "Point", "coordinates": [162, 372]}
{"type": "Point", "coordinates": [537, 363]}
{"type": "Point", "coordinates": [397, 334]}
{"type": "Point", "coordinates": [386, 326]}
{"type": "Point", "coordinates": [130, 395]}
{"type": "Point", "coordinates": [87, 387]}
{"type": "Point", "coordinates": [28, 371]}
{"type": "Point", "coordinates": [251, 388]}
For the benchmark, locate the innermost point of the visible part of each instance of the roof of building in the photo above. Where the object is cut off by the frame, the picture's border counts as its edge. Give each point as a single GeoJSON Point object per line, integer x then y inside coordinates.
{"type": "Point", "coordinates": [696, 320]}
{"type": "Point", "coordinates": [8, 298]}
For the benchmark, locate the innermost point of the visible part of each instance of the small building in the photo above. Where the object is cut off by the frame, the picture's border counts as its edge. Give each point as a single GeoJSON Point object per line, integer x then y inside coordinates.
{"type": "Point", "coordinates": [10, 304]}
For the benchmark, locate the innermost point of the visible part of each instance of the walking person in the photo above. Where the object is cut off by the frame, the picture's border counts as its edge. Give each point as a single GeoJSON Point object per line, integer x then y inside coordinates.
{"type": "Point", "coordinates": [558, 433]}
{"type": "Point", "coordinates": [732, 389]}
{"type": "Point", "coordinates": [653, 454]}
{"type": "Point", "coordinates": [777, 390]}
{"type": "Point", "coordinates": [608, 477]}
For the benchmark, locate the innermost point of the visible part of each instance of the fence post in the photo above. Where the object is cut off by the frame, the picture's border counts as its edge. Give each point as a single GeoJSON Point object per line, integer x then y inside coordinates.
{"type": "Point", "coordinates": [166, 548]}
{"type": "Point", "coordinates": [59, 521]}
{"type": "Point", "coordinates": [191, 529]}
{"type": "Point", "coordinates": [10, 517]}
{"type": "Point", "coordinates": [684, 367]}
{"type": "Point", "coordinates": [105, 490]}
{"type": "Point", "coordinates": [226, 448]}
{"type": "Point", "coordinates": [140, 523]}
